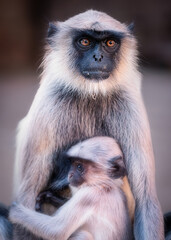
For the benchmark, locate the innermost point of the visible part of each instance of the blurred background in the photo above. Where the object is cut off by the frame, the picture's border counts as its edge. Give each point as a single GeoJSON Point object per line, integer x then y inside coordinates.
{"type": "Point", "coordinates": [23, 27]}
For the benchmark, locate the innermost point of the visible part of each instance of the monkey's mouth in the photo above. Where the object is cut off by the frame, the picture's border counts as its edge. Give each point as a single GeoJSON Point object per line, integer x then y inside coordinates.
{"type": "Point", "coordinates": [96, 74]}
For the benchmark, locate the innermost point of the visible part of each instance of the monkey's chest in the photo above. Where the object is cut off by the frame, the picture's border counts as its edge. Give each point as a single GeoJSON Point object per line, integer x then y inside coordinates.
{"type": "Point", "coordinates": [85, 120]}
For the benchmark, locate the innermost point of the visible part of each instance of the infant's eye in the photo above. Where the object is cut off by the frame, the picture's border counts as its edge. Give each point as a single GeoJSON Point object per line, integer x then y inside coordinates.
{"type": "Point", "coordinates": [85, 42]}
{"type": "Point", "coordinates": [110, 43]}
{"type": "Point", "coordinates": [80, 168]}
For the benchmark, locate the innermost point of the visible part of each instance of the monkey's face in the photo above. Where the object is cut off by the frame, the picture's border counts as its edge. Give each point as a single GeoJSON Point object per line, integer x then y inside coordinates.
{"type": "Point", "coordinates": [88, 173]}
{"type": "Point", "coordinates": [83, 172]}
{"type": "Point", "coordinates": [91, 53]}
{"type": "Point", "coordinates": [96, 53]}
{"type": "Point", "coordinates": [76, 175]}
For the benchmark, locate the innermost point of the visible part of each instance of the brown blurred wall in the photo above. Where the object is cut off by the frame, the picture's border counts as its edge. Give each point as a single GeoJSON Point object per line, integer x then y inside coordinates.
{"type": "Point", "coordinates": [23, 24]}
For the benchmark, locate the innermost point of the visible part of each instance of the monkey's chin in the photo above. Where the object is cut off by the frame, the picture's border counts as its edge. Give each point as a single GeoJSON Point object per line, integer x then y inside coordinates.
{"type": "Point", "coordinates": [96, 75]}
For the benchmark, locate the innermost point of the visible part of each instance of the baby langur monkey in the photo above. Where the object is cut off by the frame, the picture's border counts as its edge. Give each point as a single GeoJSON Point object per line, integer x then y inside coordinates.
{"type": "Point", "coordinates": [97, 209]}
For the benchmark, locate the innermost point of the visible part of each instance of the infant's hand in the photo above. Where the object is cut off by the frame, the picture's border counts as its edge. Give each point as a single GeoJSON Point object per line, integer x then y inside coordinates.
{"type": "Point", "coordinates": [48, 197]}
{"type": "Point", "coordinates": [43, 197]}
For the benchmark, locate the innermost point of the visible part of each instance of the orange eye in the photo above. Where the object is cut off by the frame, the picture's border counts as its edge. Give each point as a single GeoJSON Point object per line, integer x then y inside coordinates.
{"type": "Point", "coordinates": [85, 42]}
{"type": "Point", "coordinates": [110, 43]}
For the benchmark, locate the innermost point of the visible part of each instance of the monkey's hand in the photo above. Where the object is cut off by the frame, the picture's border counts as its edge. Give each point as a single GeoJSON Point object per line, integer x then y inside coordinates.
{"type": "Point", "coordinates": [48, 197]}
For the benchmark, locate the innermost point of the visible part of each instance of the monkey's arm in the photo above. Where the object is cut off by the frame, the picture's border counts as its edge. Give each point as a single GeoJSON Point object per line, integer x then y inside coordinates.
{"type": "Point", "coordinates": [63, 224]}
{"type": "Point", "coordinates": [138, 154]}
{"type": "Point", "coordinates": [36, 142]}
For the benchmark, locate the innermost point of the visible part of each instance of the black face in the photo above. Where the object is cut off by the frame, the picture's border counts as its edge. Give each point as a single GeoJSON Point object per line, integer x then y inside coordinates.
{"type": "Point", "coordinates": [76, 173]}
{"type": "Point", "coordinates": [97, 52]}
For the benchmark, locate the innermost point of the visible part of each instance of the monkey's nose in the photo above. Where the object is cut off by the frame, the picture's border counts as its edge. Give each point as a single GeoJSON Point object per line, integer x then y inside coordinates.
{"type": "Point", "coordinates": [71, 175]}
{"type": "Point", "coordinates": [98, 57]}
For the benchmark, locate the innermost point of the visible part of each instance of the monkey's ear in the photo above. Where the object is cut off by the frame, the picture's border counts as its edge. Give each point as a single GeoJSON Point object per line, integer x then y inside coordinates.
{"type": "Point", "coordinates": [131, 27]}
{"type": "Point", "coordinates": [117, 169]}
{"type": "Point", "coordinates": [52, 30]}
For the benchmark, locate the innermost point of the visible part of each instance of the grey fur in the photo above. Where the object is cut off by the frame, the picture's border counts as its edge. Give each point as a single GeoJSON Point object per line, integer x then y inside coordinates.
{"type": "Point", "coordinates": [68, 108]}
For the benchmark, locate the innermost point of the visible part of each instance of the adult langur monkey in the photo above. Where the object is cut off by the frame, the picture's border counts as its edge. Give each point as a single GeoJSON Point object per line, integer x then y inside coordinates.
{"type": "Point", "coordinates": [97, 209]}
{"type": "Point", "coordinates": [90, 87]}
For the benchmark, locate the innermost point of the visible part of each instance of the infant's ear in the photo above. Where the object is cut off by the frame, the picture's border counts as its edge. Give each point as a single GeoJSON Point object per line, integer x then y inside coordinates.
{"type": "Point", "coordinates": [117, 167]}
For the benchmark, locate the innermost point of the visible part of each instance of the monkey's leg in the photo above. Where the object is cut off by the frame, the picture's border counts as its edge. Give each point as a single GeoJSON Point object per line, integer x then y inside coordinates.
{"type": "Point", "coordinates": [81, 235]}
